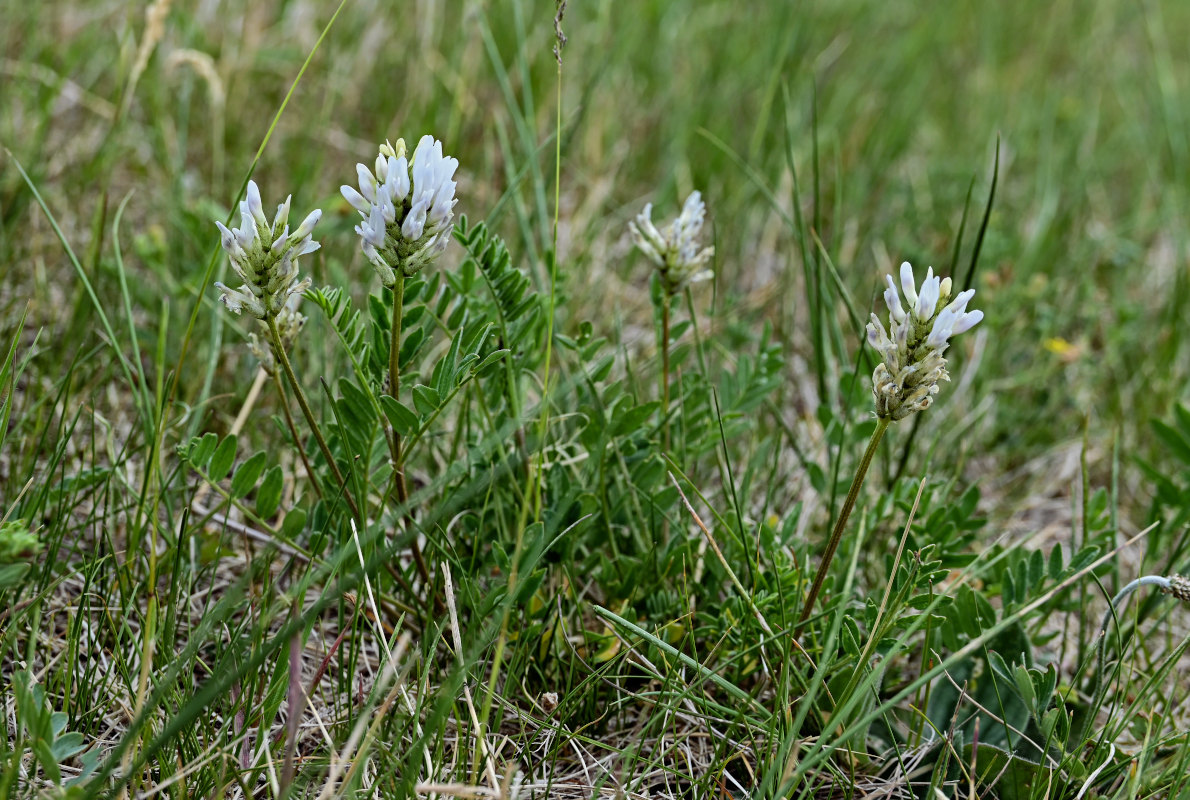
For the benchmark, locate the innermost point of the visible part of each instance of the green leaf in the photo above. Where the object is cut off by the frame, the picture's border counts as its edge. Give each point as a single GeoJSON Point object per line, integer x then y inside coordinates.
{"type": "Point", "coordinates": [490, 359]}
{"type": "Point", "coordinates": [201, 453]}
{"type": "Point", "coordinates": [225, 456]}
{"type": "Point", "coordinates": [1182, 415]}
{"type": "Point", "coordinates": [632, 420]}
{"type": "Point", "coordinates": [11, 575]}
{"type": "Point", "coordinates": [294, 523]}
{"type": "Point", "coordinates": [425, 400]}
{"type": "Point", "coordinates": [45, 757]}
{"type": "Point", "coordinates": [68, 745]}
{"type": "Point", "coordinates": [1178, 444]}
{"type": "Point", "coordinates": [411, 346]}
{"type": "Point", "coordinates": [269, 496]}
{"type": "Point", "coordinates": [1055, 562]}
{"type": "Point", "coordinates": [400, 416]}
{"type": "Point", "coordinates": [247, 474]}
{"type": "Point", "coordinates": [445, 370]}
{"type": "Point", "coordinates": [1024, 685]}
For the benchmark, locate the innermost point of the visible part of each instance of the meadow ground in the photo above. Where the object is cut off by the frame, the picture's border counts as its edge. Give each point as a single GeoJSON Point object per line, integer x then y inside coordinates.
{"type": "Point", "coordinates": [532, 521]}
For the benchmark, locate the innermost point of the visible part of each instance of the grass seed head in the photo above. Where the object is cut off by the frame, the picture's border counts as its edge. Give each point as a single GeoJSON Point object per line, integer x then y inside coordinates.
{"type": "Point", "coordinates": [1179, 587]}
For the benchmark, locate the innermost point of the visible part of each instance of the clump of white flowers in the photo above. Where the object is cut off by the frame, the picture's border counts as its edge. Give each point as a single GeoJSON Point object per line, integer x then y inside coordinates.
{"type": "Point", "coordinates": [407, 207]}
{"type": "Point", "coordinates": [907, 379]}
{"type": "Point", "coordinates": [265, 257]}
{"type": "Point", "coordinates": [674, 249]}
{"type": "Point", "coordinates": [289, 324]}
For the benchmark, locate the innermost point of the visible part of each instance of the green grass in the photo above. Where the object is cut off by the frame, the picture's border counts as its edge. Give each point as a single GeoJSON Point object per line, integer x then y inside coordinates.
{"type": "Point", "coordinates": [184, 593]}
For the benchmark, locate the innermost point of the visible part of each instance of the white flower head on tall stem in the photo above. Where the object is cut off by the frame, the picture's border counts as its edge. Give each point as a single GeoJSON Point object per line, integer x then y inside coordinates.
{"type": "Point", "coordinates": [264, 255]}
{"type": "Point", "coordinates": [407, 206]}
{"type": "Point", "coordinates": [674, 249]}
{"type": "Point", "coordinates": [911, 349]}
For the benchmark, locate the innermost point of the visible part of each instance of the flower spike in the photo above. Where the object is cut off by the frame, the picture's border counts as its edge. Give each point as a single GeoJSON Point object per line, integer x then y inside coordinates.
{"type": "Point", "coordinates": [264, 256]}
{"type": "Point", "coordinates": [407, 207]}
{"type": "Point", "coordinates": [674, 249]}
{"type": "Point", "coordinates": [912, 364]}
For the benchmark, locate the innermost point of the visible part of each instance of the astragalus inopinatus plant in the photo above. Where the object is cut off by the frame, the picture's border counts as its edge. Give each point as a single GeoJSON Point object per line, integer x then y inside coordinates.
{"type": "Point", "coordinates": [907, 378]}
{"type": "Point", "coordinates": [407, 207]}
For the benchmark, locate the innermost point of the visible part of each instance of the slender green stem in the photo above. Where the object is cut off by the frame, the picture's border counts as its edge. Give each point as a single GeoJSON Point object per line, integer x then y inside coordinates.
{"type": "Point", "coordinates": [665, 372]}
{"type": "Point", "coordinates": [837, 534]}
{"type": "Point", "coordinates": [394, 385]}
{"type": "Point", "coordinates": [283, 357]}
{"type": "Point", "coordinates": [394, 381]}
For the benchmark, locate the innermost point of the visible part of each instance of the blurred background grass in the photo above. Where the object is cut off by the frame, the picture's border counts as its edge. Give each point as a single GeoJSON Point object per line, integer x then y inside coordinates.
{"type": "Point", "coordinates": [1083, 269]}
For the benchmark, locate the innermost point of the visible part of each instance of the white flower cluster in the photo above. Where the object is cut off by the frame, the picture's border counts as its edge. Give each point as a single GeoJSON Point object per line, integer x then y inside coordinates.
{"type": "Point", "coordinates": [675, 249]}
{"type": "Point", "coordinates": [407, 207]}
{"type": "Point", "coordinates": [907, 379]}
{"type": "Point", "coordinates": [265, 257]}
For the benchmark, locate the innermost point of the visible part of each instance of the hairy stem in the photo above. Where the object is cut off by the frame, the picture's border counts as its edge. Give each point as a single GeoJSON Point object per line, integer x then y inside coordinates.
{"type": "Point", "coordinates": [837, 534]}
{"type": "Point", "coordinates": [665, 373]}
{"type": "Point", "coordinates": [394, 382]}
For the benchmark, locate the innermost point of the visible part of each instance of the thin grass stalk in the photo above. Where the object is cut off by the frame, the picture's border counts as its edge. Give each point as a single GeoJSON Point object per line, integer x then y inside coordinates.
{"type": "Point", "coordinates": [832, 544]}
{"type": "Point", "coordinates": [297, 439]}
{"type": "Point", "coordinates": [533, 478]}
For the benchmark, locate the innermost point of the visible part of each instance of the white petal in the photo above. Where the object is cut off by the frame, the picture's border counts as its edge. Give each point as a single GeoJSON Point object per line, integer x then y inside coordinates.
{"type": "Point", "coordinates": [907, 285]}
{"type": "Point", "coordinates": [255, 207]}
{"type": "Point", "coordinates": [415, 221]}
{"type": "Point", "coordinates": [942, 330]}
{"type": "Point", "coordinates": [357, 200]}
{"type": "Point", "coordinates": [967, 322]}
{"type": "Point", "coordinates": [959, 304]}
{"type": "Point", "coordinates": [892, 299]}
{"type": "Point", "coordinates": [398, 181]}
{"type": "Point", "coordinates": [282, 214]}
{"type": "Point", "coordinates": [227, 238]}
{"type": "Point", "coordinates": [307, 226]}
{"type": "Point", "coordinates": [367, 183]}
{"type": "Point", "coordinates": [927, 301]}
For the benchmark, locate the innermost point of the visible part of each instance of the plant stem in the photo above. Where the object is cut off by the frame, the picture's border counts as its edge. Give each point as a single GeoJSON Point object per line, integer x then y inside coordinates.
{"type": "Point", "coordinates": [394, 381]}
{"type": "Point", "coordinates": [283, 357]}
{"type": "Point", "coordinates": [394, 385]}
{"type": "Point", "coordinates": [837, 534]}
{"type": "Point", "coordinates": [665, 373]}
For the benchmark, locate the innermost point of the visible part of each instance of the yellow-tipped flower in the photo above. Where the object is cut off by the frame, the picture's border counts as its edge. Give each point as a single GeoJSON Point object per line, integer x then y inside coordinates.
{"type": "Point", "coordinates": [407, 207]}
{"type": "Point", "coordinates": [907, 379]}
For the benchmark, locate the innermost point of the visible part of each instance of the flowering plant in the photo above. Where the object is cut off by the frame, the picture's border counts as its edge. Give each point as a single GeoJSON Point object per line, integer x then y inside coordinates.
{"type": "Point", "coordinates": [265, 257]}
{"type": "Point", "coordinates": [907, 378]}
{"type": "Point", "coordinates": [674, 249]}
{"type": "Point", "coordinates": [407, 207]}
